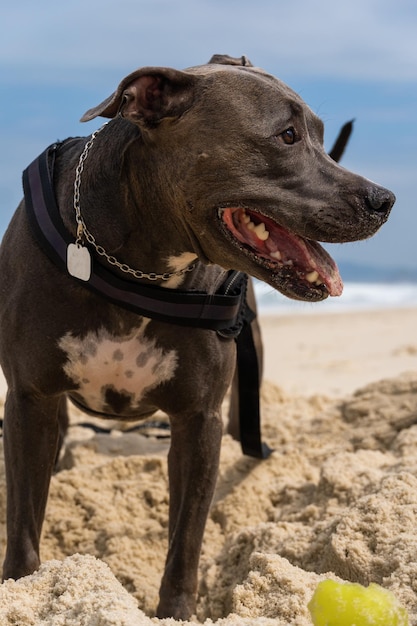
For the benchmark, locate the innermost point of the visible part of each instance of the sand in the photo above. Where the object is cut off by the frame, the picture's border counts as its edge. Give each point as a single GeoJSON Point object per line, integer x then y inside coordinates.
{"type": "Point", "coordinates": [337, 498]}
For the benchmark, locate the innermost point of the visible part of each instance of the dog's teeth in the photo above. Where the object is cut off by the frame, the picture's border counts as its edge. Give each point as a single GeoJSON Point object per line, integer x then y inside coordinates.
{"type": "Point", "coordinates": [276, 255]}
{"type": "Point", "coordinates": [261, 232]}
{"type": "Point", "coordinates": [250, 225]}
{"type": "Point", "coordinates": [245, 218]}
{"type": "Point", "coordinates": [312, 277]}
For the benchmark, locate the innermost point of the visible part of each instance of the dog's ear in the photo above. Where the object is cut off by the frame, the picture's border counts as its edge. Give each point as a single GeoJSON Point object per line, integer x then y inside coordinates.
{"type": "Point", "coordinates": [224, 59]}
{"type": "Point", "coordinates": [148, 95]}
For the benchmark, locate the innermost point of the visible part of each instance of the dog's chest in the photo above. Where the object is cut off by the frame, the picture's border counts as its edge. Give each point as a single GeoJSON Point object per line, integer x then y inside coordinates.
{"type": "Point", "coordinates": [112, 374]}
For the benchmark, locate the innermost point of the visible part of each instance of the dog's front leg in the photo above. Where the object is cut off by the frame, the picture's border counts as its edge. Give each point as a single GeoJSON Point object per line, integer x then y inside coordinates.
{"type": "Point", "coordinates": [31, 436]}
{"type": "Point", "coordinates": [193, 465]}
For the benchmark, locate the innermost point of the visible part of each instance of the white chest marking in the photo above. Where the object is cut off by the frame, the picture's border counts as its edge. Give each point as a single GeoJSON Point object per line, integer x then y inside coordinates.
{"type": "Point", "coordinates": [110, 370]}
{"type": "Point", "coordinates": [177, 263]}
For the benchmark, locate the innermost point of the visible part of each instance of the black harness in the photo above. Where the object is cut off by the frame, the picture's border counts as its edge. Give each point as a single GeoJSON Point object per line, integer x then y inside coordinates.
{"type": "Point", "coordinates": [225, 311]}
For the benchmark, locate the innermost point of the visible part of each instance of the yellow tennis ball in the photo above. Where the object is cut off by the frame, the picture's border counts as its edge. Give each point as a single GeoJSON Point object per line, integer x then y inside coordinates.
{"type": "Point", "coordinates": [350, 604]}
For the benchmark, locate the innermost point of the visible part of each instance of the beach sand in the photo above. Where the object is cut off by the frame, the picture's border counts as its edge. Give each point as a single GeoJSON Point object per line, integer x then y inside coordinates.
{"type": "Point", "coordinates": [337, 498]}
{"type": "Point", "coordinates": [335, 354]}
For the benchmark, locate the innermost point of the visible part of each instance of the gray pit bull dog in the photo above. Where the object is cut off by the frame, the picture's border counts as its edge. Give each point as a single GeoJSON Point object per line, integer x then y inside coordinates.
{"type": "Point", "coordinates": [201, 171]}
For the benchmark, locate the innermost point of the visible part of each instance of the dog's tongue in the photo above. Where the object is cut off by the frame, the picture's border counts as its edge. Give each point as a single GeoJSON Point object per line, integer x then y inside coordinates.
{"type": "Point", "coordinates": [307, 259]}
{"type": "Point", "coordinates": [323, 264]}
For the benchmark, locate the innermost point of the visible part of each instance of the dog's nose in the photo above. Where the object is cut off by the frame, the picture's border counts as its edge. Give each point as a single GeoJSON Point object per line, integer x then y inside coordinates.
{"type": "Point", "coordinates": [379, 199]}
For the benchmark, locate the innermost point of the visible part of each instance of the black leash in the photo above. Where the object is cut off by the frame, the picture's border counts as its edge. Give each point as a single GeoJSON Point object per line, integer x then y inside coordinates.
{"type": "Point", "coordinates": [226, 311]}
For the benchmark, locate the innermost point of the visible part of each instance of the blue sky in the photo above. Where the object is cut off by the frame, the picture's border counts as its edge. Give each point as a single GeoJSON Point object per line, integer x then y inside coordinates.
{"type": "Point", "coordinates": [355, 59]}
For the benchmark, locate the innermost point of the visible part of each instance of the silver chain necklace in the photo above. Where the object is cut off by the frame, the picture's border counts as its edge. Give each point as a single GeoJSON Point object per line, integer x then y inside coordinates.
{"type": "Point", "coordinates": [79, 253]}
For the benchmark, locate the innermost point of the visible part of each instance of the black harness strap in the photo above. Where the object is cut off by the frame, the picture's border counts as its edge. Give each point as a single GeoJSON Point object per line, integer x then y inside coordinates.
{"type": "Point", "coordinates": [249, 383]}
{"type": "Point", "coordinates": [226, 311]}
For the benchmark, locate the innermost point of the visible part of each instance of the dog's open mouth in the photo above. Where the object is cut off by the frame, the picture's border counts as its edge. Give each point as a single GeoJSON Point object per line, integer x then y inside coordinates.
{"type": "Point", "coordinates": [300, 267]}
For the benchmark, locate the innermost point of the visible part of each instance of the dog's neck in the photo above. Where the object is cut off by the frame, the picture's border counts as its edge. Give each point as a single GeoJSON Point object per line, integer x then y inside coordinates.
{"type": "Point", "coordinates": [109, 210]}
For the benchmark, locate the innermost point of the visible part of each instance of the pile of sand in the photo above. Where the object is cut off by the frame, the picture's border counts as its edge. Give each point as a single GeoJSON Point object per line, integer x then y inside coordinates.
{"type": "Point", "coordinates": [337, 498]}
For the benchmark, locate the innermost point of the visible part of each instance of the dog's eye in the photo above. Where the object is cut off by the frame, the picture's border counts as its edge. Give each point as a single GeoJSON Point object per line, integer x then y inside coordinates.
{"type": "Point", "coordinates": [289, 136]}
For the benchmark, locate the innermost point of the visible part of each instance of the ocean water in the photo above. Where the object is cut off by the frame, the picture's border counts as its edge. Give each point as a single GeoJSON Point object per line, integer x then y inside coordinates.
{"type": "Point", "coordinates": [356, 296]}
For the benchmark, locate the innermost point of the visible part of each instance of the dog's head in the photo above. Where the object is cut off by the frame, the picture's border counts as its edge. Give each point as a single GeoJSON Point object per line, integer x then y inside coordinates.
{"type": "Point", "coordinates": [254, 187]}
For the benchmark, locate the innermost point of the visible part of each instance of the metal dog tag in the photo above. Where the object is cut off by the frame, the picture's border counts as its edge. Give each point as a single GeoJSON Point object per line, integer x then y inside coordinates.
{"type": "Point", "coordinates": [78, 261]}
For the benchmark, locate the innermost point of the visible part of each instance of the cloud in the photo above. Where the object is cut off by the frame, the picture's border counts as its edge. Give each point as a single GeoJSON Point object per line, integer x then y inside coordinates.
{"type": "Point", "coordinates": [362, 39]}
